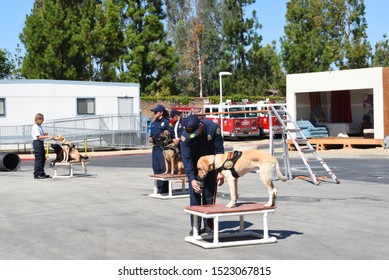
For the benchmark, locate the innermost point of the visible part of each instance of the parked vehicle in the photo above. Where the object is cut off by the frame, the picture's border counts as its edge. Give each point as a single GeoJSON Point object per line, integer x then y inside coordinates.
{"type": "Point", "coordinates": [264, 120]}
{"type": "Point", "coordinates": [243, 119]}
{"type": "Point", "coordinates": [236, 122]}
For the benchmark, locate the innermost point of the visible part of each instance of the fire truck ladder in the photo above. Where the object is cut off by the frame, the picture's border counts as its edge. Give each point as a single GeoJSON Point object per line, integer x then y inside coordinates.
{"type": "Point", "coordinates": [298, 138]}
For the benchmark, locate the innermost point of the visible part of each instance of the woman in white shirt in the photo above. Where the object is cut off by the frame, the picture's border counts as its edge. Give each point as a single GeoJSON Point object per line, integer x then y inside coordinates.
{"type": "Point", "coordinates": [38, 136]}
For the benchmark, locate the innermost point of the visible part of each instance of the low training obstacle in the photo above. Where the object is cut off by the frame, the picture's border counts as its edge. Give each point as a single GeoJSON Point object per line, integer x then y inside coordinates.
{"type": "Point", "coordinates": [70, 166]}
{"type": "Point", "coordinates": [173, 193]}
{"type": "Point", "coordinates": [218, 211]}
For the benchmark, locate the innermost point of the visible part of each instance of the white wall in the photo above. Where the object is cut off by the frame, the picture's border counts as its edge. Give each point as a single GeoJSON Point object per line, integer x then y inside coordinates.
{"type": "Point", "coordinates": [57, 99]}
{"type": "Point", "coordinates": [357, 79]}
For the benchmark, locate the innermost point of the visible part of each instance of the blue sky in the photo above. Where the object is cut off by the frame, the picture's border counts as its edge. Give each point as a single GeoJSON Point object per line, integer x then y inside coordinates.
{"type": "Point", "coordinates": [270, 13]}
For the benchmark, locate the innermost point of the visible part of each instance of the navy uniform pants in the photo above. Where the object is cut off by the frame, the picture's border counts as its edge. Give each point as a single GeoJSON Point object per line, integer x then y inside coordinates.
{"type": "Point", "coordinates": [159, 167]}
{"type": "Point", "coordinates": [207, 197]}
{"type": "Point", "coordinates": [40, 158]}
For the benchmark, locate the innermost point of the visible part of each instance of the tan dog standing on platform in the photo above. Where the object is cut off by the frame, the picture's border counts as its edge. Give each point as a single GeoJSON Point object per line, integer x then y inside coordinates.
{"type": "Point", "coordinates": [231, 169]}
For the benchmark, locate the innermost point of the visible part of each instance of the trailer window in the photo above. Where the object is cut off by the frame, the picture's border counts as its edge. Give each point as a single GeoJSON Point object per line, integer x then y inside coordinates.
{"type": "Point", "coordinates": [85, 106]}
{"type": "Point", "coordinates": [2, 107]}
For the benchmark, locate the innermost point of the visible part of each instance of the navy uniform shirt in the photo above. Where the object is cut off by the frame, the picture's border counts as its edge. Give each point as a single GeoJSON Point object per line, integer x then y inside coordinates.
{"type": "Point", "coordinates": [209, 142]}
{"type": "Point", "coordinates": [159, 126]}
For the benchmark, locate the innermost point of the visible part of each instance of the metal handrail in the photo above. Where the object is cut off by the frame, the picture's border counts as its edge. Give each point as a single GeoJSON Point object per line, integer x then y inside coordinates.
{"type": "Point", "coordinates": [108, 131]}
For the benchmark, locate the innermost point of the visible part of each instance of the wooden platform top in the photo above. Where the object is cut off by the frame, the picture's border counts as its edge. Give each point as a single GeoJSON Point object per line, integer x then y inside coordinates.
{"type": "Point", "coordinates": [168, 176]}
{"type": "Point", "coordinates": [221, 208]}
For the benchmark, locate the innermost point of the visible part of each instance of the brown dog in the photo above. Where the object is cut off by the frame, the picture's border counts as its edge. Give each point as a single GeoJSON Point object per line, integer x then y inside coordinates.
{"type": "Point", "coordinates": [248, 161]}
{"type": "Point", "coordinates": [173, 159]}
{"type": "Point", "coordinates": [70, 152]}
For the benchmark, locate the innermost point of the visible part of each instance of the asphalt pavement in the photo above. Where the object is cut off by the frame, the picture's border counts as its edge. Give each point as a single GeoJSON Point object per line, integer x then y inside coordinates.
{"type": "Point", "coordinates": [108, 215]}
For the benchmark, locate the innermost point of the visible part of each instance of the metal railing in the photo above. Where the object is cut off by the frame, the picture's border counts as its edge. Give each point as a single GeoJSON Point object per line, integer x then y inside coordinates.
{"type": "Point", "coordinates": [104, 131]}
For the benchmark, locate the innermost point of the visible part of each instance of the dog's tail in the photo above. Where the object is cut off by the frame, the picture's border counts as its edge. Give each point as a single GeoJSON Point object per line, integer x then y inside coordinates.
{"type": "Point", "coordinates": [279, 173]}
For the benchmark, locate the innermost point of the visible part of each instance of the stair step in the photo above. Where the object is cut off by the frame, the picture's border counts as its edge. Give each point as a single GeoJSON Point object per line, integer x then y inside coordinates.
{"type": "Point", "coordinates": [294, 130]}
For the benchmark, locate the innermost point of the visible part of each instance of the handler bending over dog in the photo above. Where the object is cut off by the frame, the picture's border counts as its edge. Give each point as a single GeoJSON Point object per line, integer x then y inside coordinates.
{"type": "Point", "coordinates": [201, 138]}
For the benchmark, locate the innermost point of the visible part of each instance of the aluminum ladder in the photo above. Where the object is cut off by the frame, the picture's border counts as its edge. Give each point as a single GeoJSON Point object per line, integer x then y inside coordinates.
{"type": "Point", "coordinates": [298, 138]}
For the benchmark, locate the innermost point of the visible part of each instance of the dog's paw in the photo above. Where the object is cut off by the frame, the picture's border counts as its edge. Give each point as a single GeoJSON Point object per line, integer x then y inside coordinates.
{"type": "Point", "coordinates": [231, 204]}
{"type": "Point", "coordinates": [268, 205]}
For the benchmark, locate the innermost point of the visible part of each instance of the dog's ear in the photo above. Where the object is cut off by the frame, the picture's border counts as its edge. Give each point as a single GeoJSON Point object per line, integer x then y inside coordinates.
{"type": "Point", "coordinates": [203, 163]}
{"type": "Point", "coordinates": [207, 164]}
{"type": "Point", "coordinates": [206, 161]}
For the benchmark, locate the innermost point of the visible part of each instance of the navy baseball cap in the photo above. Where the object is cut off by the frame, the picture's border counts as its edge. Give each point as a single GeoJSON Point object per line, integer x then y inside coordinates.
{"type": "Point", "coordinates": [174, 113]}
{"type": "Point", "coordinates": [159, 108]}
{"type": "Point", "coordinates": [193, 126]}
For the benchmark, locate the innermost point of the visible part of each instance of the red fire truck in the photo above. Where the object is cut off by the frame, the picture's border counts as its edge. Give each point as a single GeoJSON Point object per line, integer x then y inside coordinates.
{"type": "Point", "coordinates": [188, 110]}
{"type": "Point", "coordinates": [235, 124]}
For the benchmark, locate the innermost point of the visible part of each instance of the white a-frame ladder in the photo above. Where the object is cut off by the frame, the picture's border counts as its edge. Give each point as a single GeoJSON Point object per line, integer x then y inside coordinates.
{"type": "Point", "coordinates": [309, 156]}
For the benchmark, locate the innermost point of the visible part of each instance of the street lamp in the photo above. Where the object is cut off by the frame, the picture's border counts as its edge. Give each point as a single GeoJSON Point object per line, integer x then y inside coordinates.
{"type": "Point", "coordinates": [221, 99]}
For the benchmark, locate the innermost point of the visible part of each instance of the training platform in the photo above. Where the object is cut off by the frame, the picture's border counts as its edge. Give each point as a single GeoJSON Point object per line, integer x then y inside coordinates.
{"type": "Point", "coordinates": [238, 238]}
{"type": "Point", "coordinates": [70, 166]}
{"type": "Point", "coordinates": [173, 193]}
{"type": "Point", "coordinates": [346, 142]}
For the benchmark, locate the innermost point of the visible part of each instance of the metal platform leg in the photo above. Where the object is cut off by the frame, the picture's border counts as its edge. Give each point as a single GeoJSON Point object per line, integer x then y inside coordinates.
{"type": "Point", "coordinates": [265, 227]}
{"type": "Point", "coordinates": [170, 188]}
{"type": "Point", "coordinates": [216, 230]}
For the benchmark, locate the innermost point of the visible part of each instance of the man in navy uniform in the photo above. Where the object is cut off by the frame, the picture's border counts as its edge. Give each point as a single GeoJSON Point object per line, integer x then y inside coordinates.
{"type": "Point", "coordinates": [158, 126]}
{"type": "Point", "coordinates": [201, 138]}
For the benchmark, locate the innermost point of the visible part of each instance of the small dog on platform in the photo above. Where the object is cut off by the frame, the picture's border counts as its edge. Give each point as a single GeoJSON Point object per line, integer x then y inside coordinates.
{"type": "Point", "coordinates": [68, 152]}
{"type": "Point", "coordinates": [172, 155]}
{"type": "Point", "coordinates": [237, 165]}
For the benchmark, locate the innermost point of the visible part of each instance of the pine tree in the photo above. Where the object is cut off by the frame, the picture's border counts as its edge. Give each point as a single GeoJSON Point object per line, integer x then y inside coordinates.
{"type": "Point", "coordinates": [242, 51]}
{"type": "Point", "coordinates": [148, 56]}
{"type": "Point", "coordinates": [58, 40]}
{"type": "Point", "coordinates": [109, 44]}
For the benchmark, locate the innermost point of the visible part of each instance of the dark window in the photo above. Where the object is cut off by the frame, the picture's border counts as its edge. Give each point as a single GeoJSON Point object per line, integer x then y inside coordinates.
{"type": "Point", "coordinates": [2, 107]}
{"type": "Point", "coordinates": [85, 106]}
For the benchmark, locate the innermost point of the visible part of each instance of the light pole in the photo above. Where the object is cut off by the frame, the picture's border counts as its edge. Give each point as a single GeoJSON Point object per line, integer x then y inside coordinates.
{"type": "Point", "coordinates": [221, 99]}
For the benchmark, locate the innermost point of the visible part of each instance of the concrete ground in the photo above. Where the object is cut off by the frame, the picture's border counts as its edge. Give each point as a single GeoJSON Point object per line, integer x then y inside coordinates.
{"type": "Point", "coordinates": [108, 215]}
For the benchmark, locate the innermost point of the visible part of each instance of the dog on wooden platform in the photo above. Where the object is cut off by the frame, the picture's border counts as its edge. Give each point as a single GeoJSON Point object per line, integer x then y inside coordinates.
{"type": "Point", "coordinates": [233, 166]}
{"type": "Point", "coordinates": [172, 155]}
{"type": "Point", "coordinates": [69, 151]}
